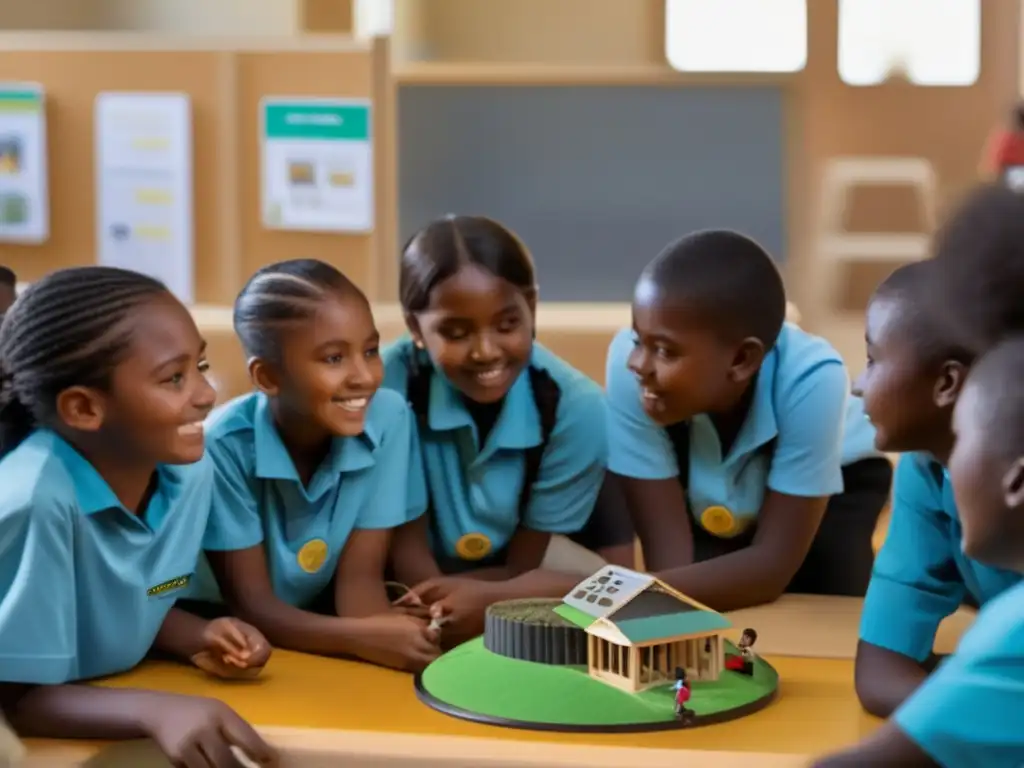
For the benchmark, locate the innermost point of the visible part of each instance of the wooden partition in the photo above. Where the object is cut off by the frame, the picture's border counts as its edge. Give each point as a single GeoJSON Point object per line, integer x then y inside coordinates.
{"type": "Point", "coordinates": [226, 80]}
{"type": "Point", "coordinates": [528, 44]}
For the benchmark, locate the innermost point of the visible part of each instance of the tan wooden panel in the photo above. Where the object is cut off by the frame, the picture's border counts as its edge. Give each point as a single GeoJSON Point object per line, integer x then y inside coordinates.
{"type": "Point", "coordinates": [295, 73]}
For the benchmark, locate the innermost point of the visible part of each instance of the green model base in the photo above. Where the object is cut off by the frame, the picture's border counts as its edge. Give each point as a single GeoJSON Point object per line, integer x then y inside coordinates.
{"type": "Point", "coordinates": [475, 684]}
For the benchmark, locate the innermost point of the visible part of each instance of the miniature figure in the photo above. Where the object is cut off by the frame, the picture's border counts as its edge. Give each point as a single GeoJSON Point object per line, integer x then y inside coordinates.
{"type": "Point", "coordinates": [682, 689]}
{"type": "Point", "coordinates": [744, 663]}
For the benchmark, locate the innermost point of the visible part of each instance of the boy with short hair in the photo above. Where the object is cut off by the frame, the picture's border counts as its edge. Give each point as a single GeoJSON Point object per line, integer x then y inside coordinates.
{"type": "Point", "coordinates": [968, 712]}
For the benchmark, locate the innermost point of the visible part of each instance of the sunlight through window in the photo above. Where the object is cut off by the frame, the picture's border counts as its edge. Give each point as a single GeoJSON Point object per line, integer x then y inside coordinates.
{"type": "Point", "coordinates": [736, 35]}
{"type": "Point", "coordinates": [930, 42]}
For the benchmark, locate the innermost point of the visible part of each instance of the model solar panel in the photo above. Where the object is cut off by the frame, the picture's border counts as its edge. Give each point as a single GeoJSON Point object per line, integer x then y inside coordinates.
{"type": "Point", "coordinates": [603, 593]}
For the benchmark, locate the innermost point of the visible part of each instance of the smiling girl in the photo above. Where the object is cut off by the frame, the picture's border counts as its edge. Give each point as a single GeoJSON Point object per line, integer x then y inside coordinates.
{"type": "Point", "coordinates": [512, 437]}
{"type": "Point", "coordinates": [314, 469]}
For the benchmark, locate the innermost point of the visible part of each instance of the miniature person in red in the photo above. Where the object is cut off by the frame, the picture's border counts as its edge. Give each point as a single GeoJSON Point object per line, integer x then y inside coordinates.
{"type": "Point", "coordinates": [682, 689]}
{"type": "Point", "coordinates": [744, 662]}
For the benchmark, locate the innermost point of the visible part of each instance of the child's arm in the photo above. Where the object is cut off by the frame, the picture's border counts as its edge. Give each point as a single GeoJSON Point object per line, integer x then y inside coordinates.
{"type": "Point", "coordinates": [915, 584]}
{"type": "Point", "coordinates": [245, 583]}
{"type": "Point", "coordinates": [804, 473]}
{"type": "Point", "coordinates": [183, 727]}
{"type": "Point", "coordinates": [642, 462]}
{"type": "Point", "coordinates": [884, 679]}
{"type": "Point", "coordinates": [359, 587]}
{"type": "Point", "coordinates": [412, 560]}
{"type": "Point", "coordinates": [888, 747]}
{"type": "Point", "coordinates": [967, 713]}
{"type": "Point", "coordinates": [181, 634]}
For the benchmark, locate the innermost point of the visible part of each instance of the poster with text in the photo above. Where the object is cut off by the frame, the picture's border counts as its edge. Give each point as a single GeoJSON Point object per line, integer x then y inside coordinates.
{"type": "Point", "coordinates": [317, 172]}
{"type": "Point", "coordinates": [24, 191]}
{"type": "Point", "coordinates": [144, 195]}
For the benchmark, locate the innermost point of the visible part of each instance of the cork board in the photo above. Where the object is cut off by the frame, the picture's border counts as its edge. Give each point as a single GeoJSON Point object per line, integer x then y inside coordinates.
{"type": "Point", "coordinates": [225, 81]}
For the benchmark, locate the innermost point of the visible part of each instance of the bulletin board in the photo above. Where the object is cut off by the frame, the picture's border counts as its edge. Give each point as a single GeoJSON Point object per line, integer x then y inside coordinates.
{"type": "Point", "coordinates": [225, 80]}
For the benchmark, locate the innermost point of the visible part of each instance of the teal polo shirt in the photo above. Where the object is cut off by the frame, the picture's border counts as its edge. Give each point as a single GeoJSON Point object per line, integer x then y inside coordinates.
{"type": "Point", "coordinates": [474, 488]}
{"type": "Point", "coordinates": [794, 439]}
{"type": "Point", "coordinates": [921, 574]}
{"type": "Point", "coordinates": [370, 481]}
{"type": "Point", "coordinates": [967, 714]}
{"type": "Point", "coordinates": [85, 583]}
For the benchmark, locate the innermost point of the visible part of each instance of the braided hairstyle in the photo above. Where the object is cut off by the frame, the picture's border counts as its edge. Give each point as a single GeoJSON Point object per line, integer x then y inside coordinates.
{"type": "Point", "coordinates": [280, 295]}
{"type": "Point", "coordinates": [68, 329]}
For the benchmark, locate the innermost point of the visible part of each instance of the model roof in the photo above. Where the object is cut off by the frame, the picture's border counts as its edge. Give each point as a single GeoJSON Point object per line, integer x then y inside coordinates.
{"type": "Point", "coordinates": [639, 606]}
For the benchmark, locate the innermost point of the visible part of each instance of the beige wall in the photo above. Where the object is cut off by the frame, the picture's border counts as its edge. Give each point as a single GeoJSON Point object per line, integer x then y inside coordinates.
{"type": "Point", "coordinates": [199, 17]}
{"type": "Point", "coordinates": [205, 17]}
{"type": "Point", "coordinates": [53, 14]}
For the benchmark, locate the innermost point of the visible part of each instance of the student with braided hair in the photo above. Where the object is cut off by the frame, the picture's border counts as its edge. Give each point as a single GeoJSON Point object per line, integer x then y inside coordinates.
{"type": "Point", "coordinates": [314, 469]}
{"type": "Point", "coordinates": [104, 497]}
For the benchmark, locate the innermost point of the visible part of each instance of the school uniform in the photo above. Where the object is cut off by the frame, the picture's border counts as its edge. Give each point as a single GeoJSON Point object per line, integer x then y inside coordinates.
{"type": "Point", "coordinates": [369, 481]}
{"type": "Point", "coordinates": [804, 435]}
{"type": "Point", "coordinates": [541, 465]}
{"type": "Point", "coordinates": [921, 575]}
{"type": "Point", "coordinates": [967, 714]}
{"type": "Point", "coordinates": [85, 584]}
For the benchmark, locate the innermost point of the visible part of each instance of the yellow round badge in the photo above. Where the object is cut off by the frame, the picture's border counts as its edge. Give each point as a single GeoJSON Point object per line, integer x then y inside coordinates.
{"type": "Point", "coordinates": [313, 555]}
{"type": "Point", "coordinates": [473, 546]}
{"type": "Point", "coordinates": [718, 521]}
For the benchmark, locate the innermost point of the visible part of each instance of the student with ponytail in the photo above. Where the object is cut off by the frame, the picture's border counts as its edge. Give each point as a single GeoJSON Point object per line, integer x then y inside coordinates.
{"type": "Point", "coordinates": [104, 498]}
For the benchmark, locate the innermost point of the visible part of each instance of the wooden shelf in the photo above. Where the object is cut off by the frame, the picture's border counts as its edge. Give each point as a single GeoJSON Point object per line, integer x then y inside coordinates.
{"type": "Point", "coordinates": [468, 73]}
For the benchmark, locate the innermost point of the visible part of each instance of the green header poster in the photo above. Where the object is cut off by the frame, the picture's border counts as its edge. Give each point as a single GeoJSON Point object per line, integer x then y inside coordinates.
{"type": "Point", "coordinates": [317, 156]}
{"type": "Point", "coordinates": [24, 196]}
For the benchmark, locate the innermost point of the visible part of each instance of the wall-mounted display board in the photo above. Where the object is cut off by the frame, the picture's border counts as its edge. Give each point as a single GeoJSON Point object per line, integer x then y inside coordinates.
{"type": "Point", "coordinates": [24, 195]}
{"type": "Point", "coordinates": [317, 164]}
{"type": "Point", "coordinates": [225, 81]}
{"type": "Point", "coordinates": [144, 199]}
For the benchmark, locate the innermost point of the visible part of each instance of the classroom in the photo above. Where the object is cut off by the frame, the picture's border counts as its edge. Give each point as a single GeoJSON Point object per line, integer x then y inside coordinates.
{"type": "Point", "coordinates": [597, 131]}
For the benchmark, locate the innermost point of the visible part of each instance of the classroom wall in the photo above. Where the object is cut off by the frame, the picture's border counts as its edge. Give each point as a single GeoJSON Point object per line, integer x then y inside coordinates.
{"type": "Point", "coordinates": [225, 78]}
{"type": "Point", "coordinates": [204, 17]}
{"type": "Point", "coordinates": [489, 43]}
{"type": "Point", "coordinates": [596, 179]}
{"type": "Point", "coordinates": [54, 14]}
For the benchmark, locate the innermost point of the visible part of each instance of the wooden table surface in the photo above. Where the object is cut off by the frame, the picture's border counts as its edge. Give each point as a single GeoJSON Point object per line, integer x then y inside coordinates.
{"type": "Point", "coordinates": [810, 640]}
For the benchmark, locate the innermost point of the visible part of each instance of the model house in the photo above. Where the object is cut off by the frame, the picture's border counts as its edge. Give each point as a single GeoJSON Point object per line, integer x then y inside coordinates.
{"type": "Point", "coordinates": [639, 630]}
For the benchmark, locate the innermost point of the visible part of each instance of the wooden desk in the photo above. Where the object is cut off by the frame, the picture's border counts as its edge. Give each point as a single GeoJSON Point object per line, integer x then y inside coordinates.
{"type": "Point", "coordinates": [817, 710]}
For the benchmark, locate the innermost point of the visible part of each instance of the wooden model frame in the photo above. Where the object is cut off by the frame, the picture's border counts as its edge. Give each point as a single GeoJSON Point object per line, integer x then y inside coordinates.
{"type": "Point", "coordinates": [649, 658]}
{"type": "Point", "coordinates": [636, 668]}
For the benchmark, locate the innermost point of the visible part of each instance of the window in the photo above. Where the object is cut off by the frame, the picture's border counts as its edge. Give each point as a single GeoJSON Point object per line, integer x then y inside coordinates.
{"type": "Point", "coordinates": [936, 42]}
{"type": "Point", "coordinates": [374, 17]}
{"type": "Point", "coordinates": [736, 35]}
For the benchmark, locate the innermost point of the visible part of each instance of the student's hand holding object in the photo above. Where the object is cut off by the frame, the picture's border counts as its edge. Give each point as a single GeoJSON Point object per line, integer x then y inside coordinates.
{"type": "Point", "coordinates": [462, 608]}
{"type": "Point", "coordinates": [232, 649]}
{"type": "Point", "coordinates": [398, 640]}
{"type": "Point", "coordinates": [432, 590]}
{"type": "Point", "coordinates": [196, 732]}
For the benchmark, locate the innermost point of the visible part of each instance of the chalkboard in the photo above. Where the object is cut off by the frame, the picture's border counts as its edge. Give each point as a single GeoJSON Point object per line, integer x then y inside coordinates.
{"type": "Point", "coordinates": [595, 179]}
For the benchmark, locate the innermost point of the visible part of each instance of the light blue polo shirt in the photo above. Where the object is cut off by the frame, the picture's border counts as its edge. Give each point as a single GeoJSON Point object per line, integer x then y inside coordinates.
{"type": "Point", "coordinates": [921, 574]}
{"type": "Point", "coordinates": [85, 585]}
{"type": "Point", "coordinates": [968, 713]}
{"type": "Point", "coordinates": [802, 428]}
{"type": "Point", "coordinates": [370, 481]}
{"type": "Point", "coordinates": [475, 489]}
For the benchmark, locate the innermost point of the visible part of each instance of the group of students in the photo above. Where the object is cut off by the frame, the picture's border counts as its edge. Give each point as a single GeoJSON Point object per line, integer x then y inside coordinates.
{"type": "Point", "coordinates": [372, 503]}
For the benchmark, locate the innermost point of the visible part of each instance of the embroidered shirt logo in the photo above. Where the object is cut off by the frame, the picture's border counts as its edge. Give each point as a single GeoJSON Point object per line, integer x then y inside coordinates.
{"type": "Point", "coordinates": [171, 585]}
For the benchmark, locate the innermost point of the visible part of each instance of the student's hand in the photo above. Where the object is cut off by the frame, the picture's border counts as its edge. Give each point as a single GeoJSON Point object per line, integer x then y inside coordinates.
{"type": "Point", "coordinates": [195, 732]}
{"type": "Point", "coordinates": [428, 592]}
{"type": "Point", "coordinates": [462, 608]}
{"type": "Point", "coordinates": [399, 641]}
{"type": "Point", "coordinates": [232, 649]}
